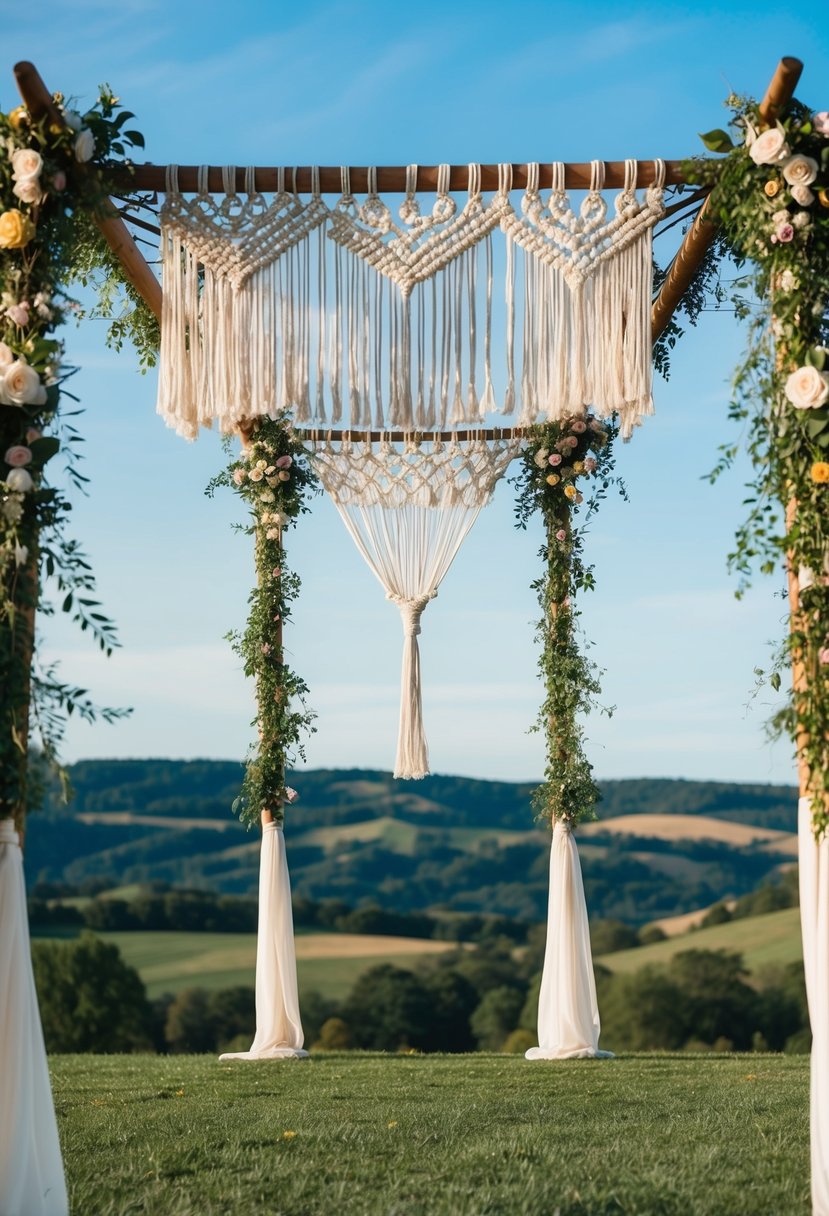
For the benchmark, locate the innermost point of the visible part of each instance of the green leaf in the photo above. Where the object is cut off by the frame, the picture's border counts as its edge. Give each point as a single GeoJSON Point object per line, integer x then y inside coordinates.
{"type": "Point", "coordinates": [816, 424]}
{"type": "Point", "coordinates": [774, 680]}
{"type": "Point", "coordinates": [44, 449]}
{"type": "Point", "coordinates": [135, 138]}
{"type": "Point", "coordinates": [717, 141]}
{"type": "Point", "coordinates": [818, 357]}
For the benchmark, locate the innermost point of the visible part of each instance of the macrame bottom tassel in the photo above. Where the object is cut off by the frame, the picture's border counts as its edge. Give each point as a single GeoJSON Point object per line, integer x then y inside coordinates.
{"type": "Point", "coordinates": [568, 1012]}
{"type": "Point", "coordinates": [278, 1027]}
{"type": "Point", "coordinates": [412, 761]}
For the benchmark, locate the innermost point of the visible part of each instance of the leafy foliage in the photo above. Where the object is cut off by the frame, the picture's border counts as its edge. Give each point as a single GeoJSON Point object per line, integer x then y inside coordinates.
{"type": "Point", "coordinates": [274, 478]}
{"type": "Point", "coordinates": [557, 455]}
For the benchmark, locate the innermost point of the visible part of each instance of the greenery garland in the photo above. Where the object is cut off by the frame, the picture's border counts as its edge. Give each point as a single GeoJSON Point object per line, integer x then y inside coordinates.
{"type": "Point", "coordinates": [54, 178]}
{"type": "Point", "coordinates": [770, 194]}
{"type": "Point", "coordinates": [557, 456]}
{"type": "Point", "coordinates": [274, 478]}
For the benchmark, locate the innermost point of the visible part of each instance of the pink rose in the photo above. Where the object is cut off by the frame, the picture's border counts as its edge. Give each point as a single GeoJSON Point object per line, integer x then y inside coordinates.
{"type": "Point", "coordinates": [821, 122]}
{"type": "Point", "coordinates": [290, 795]}
{"type": "Point", "coordinates": [17, 456]}
{"type": "Point", "coordinates": [59, 180]}
{"type": "Point", "coordinates": [578, 427]}
{"type": "Point", "coordinates": [284, 462]}
{"type": "Point", "coordinates": [823, 655]}
{"type": "Point", "coordinates": [19, 313]}
{"type": "Point", "coordinates": [276, 572]}
{"type": "Point", "coordinates": [32, 434]}
{"type": "Point", "coordinates": [561, 534]}
{"type": "Point", "coordinates": [284, 475]}
{"type": "Point", "coordinates": [239, 476]}
{"type": "Point", "coordinates": [590, 465]}
{"type": "Point", "coordinates": [266, 648]}
{"type": "Point", "coordinates": [555, 459]}
{"type": "Point", "coordinates": [784, 234]}
{"type": "Point", "coordinates": [571, 442]}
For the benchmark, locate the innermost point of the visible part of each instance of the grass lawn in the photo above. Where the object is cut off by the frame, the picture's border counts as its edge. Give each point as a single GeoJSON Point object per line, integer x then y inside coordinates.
{"type": "Point", "coordinates": [772, 938]}
{"type": "Point", "coordinates": [482, 1135]}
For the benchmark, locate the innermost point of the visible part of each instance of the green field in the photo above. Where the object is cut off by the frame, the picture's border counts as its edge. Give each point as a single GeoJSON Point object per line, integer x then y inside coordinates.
{"type": "Point", "coordinates": [170, 961]}
{"type": "Point", "coordinates": [772, 938]}
{"type": "Point", "coordinates": [475, 1135]}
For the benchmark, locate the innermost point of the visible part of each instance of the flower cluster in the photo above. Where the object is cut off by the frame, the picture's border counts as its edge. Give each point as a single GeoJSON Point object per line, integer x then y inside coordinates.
{"type": "Point", "coordinates": [273, 476]}
{"type": "Point", "coordinates": [771, 195]}
{"type": "Point", "coordinates": [47, 188]}
{"type": "Point", "coordinates": [557, 455]}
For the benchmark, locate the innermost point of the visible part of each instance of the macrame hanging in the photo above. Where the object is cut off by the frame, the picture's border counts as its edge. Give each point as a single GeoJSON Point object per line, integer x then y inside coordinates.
{"type": "Point", "coordinates": [353, 318]}
{"type": "Point", "coordinates": [408, 509]}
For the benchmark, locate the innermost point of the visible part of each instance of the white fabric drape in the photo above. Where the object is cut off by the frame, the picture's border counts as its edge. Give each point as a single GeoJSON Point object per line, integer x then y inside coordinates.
{"type": "Point", "coordinates": [813, 868]}
{"type": "Point", "coordinates": [568, 1012]}
{"type": "Point", "coordinates": [31, 1168]}
{"type": "Point", "coordinates": [278, 1026]}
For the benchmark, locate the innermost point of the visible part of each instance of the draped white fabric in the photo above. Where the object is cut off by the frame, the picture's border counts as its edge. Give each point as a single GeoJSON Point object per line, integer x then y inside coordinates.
{"type": "Point", "coordinates": [408, 513]}
{"type": "Point", "coordinates": [31, 1167]}
{"type": "Point", "coordinates": [813, 867]}
{"type": "Point", "coordinates": [568, 1012]}
{"type": "Point", "coordinates": [278, 1026]}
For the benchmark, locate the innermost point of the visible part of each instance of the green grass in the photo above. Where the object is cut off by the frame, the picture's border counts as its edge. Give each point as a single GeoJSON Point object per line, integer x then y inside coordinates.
{"type": "Point", "coordinates": [772, 938]}
{"type": "Point", "coordinates": [400, 836]}
{"type": "Point", "coordinates": [170, 961]}
{"type": "Point", "coordinates": [435, 1136]}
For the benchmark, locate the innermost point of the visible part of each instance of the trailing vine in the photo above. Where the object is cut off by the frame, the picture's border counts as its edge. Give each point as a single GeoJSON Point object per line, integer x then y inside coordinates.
{"type": "Point", "coordinates": [274, 478]}
{"type": "Point", "coordinates": [558, 457]}
{"type": "Point", "coordinates": [53, 178]}
{"type": "Point", "coordinates": [770, 194]}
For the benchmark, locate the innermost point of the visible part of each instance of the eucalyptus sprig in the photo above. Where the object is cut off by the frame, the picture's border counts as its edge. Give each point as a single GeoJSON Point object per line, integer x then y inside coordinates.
{"type": "Point", "coordinates": [558, 459]}
{"type": "Point", "coordinates": [274, 478]}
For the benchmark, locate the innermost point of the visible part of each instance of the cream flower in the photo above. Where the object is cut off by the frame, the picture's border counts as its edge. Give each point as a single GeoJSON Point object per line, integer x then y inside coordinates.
{"type": "Point", "coordinates": [255, 475]}
{"type": "Point", "coordinates": [21, 555]}
{"type": "Point", "coordinates": [770, 148]}
{"type": "Point", "coordinates": [807, 388]}
{"type": "Point", "coordinates": [789, 281]}
{"type": "Point", "coordinates": [28, 190]}
{"type": "Point", "coordinates": [802, 195]}
{"type": "Point", "coordinates": [540, 457]}
{"type": "Point", "coordinates": [20, 385]}
{"type": "Point", "coordinates": [12, 509]}
{"type": "Point", "coordinates": [6, 355]}
{"type": "Point", "coordinates": [800, 170]}
{"type": "Point", "coordinates": [26, 162]}
{"type": "Point", "coordinates": [801, 219]}
{"type": "Point", "coordinates": [19, 480]}
{"type": "Point", "coordinates": [821, 122]}
{"type": "Point", "coordinates": [84, 145]}
{"type": "Point", "coordinates": [73, 120]}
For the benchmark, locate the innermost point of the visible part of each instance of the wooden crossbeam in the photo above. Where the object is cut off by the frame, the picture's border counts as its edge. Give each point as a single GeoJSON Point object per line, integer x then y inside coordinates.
{"type": "Point", "coordinates": [701, 234]}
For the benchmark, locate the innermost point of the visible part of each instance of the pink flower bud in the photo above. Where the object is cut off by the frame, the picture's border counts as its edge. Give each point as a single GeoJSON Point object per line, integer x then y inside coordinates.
{"type": "Point", "coordinates": [17, 456]}
{"type": "Point", "coordinates": [561, 534]}
{"type": "Point", "coordinates": [284, 462]}
{"type": "Point", "coordinates": [785, 233]}
{"type": "Point", "coordinates": [59, 180]}
{"type": "Point", "coordinates": [555, 459]}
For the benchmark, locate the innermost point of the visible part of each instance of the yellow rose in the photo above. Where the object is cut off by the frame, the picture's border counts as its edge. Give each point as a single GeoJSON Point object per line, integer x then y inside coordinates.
{"type": "Point", "coordinates": [552, 479]}
{"type": "Point", "coordinates": [578, 466]}
{"type": "Point", "coordinates": [16, 229]}
{"type": "Point", "coordinates": [570, 491]}
{"type": "Point", "coordinates": [820, 472]}
{"type": "Point", "coordinates": [771, 188]}
{"type": "Point", "coordinates": [823, 197]}
{"type": "Point", "coordinates": [18, 117]}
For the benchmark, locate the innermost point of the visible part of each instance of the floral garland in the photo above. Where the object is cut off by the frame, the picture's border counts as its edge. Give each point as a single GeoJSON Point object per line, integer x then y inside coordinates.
{"type": "Point", "coordinates": [556, 457]}
{"type": "Point", "coordinates": [53, 177]}
{"type": "Point", "coordinates": [273, 476]}
{"type": "Point", "coordinates": [771, 196]}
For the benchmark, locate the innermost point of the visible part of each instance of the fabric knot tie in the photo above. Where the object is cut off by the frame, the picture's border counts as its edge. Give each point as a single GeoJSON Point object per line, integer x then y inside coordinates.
{"type": "Point", "coordinates": [411, 611]}
{"type": "Point", "coordinates": [563, 826]}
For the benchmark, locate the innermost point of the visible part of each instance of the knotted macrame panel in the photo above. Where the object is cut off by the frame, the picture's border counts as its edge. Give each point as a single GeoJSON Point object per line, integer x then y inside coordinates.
{"type": "Point", "coordinates": [408, 509]}
{"type": "Point", "coordinates": [427, 313]}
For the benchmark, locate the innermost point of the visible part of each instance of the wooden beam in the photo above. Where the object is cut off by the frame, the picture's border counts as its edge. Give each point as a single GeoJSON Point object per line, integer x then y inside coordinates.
{"type": "Point", "coordinates": [701, 234]}
{"type": "Point", "coordinates": [392, 178]}
{"type": "Point", "coordinates": [39, 103]}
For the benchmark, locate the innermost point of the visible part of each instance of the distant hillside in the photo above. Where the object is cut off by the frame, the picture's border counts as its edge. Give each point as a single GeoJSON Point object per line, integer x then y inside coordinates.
{"type": "Point", "coordinates": [445, 842]}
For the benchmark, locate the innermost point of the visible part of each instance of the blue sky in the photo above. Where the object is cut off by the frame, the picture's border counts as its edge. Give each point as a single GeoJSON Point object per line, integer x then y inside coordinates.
{"type": "Point", "coordinates": [380, 83]}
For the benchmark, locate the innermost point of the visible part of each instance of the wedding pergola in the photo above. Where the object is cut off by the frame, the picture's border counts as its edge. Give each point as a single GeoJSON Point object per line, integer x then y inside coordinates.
{"type": "Point", "coordinates": [373, 337]}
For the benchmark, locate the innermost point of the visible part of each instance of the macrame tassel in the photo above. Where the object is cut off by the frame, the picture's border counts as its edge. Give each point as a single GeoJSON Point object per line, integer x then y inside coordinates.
{"type": "Point", "coordinates": [412, 760]}
{"type": "Point", "coordinates": [568, 1013]}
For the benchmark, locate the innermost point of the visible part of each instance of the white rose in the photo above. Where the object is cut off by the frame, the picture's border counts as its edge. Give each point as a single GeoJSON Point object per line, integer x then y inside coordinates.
{"type": "Point", "coordinates": [541, 457]}
{"type": "Point", "coordinates": [781, 217]}
{"type": "Point", "coordinates": [72, 119]}
{"type": "Point", "coordinates": [801, 219]}
{"type": "Point", "coordinates": [26, 163]}
{"type": "Point", "coordinates": [800, 170]}
{"type": "Point", "coordinates": [19, 480]}
{"type": "Point", "coordinates": [84, 145]}
{"type": "Point", "coordinates": [28, 190]}
{"type": "Point", "coordinates": [21, 555]}
{"type": "Point", "coordinates": [6, 355]}
{"type": "Point", "coordinates": [807, 388]}
{"type": "Point", "coordinates": [13, 510]}
{"type": "Point", "coordinates": [21, 385]}
{"type": "Point", "coordinates": [802, 195]}
{"type": "Point", "coordinates": [770, 148]}
{"type": "Point", "coordinates": [788, 281]}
